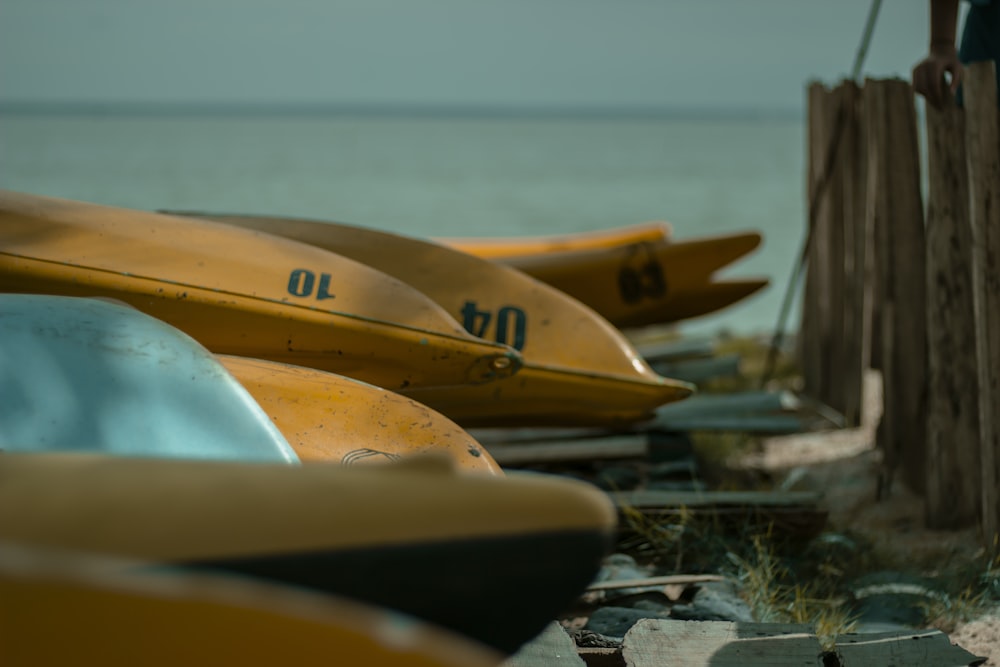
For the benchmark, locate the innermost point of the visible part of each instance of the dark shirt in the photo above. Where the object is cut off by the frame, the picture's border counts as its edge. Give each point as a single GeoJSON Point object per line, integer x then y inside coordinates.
{"type": "Point", "coordinates": [981, 34]}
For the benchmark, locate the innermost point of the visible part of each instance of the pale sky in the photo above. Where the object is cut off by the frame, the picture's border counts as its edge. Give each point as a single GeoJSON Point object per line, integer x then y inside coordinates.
{"type": "Point", "coordinates": [728, 54]}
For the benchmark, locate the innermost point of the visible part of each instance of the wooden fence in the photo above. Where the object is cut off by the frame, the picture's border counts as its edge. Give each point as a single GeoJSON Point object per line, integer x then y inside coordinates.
{"type": "Point", "coordinates": [913, 294]}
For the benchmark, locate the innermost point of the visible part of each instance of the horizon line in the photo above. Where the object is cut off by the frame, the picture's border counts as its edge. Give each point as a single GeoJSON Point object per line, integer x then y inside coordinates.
{"type": "Point", "coordinates": [386, 110]}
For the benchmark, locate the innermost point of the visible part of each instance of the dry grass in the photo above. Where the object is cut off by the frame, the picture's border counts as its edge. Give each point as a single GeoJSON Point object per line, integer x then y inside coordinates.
{"type": "Point", "coordinates": [788, 581]}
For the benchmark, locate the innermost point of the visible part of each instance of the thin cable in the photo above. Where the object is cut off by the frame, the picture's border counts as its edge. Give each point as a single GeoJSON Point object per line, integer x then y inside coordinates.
{"type": "Point", "coordinates": [797, 269]}
{"type": "Point", "coordinates": [821, 187]}
{"type": "Point", "coordinates": [866, 39]}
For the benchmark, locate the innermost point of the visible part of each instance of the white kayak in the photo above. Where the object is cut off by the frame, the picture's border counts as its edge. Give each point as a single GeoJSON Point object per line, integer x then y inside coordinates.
{"type": "Point", "coordinates": [80, 374]}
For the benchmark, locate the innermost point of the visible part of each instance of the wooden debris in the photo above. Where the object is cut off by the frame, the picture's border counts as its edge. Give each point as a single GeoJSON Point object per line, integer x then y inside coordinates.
{"type": "Point", "coordinates": [924, 648]}
{"type": "Point", "coordinates": [615, 447]}
{"type": "Point", "coordinates": [738, 403]}
{"type": "Point", "coordinates": [685, 348]}
{"type": "Point", "coordinates": [656, 642]}
{"type": "Point", "coordinates": [763, 424]}
{"type": "Point", "coordinates": [699, 370]}
{"type": "Point", "coordinates": [750, 411]}
{"type": "Point", "coordinates": [654, 582]}
{"type": "Point", "coordinates": [663, 499]}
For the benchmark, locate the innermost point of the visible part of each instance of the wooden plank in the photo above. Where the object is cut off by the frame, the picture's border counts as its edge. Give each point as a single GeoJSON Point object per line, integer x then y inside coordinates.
{"type": "Point", "coordinates": [655, 582]}
{"type": "Point", "coordinates": [984, 196]}
{"type": "Point", "coordinates": [657, 642]}
{"type": "Point", "coordinates": [894, 200]}
{"type": "Point", "coordinates": [615, 447]}
{"type": "Point", "coordinates": [693, 499]}
{"type": "Point", "coordinates": [739, 403]}
{"type": "Point", "coordinates": [673, 350]}
{"type": "Point", "coordinates": [699, 370]}
{"type": "Point", "coordinates": [952, 467]}
{"type": "Point", "coordinates": [924, 648]}
{"type": "Point", "coordinates": [764, 424]}
{"type": "Point", "coordinates": [510, 436]}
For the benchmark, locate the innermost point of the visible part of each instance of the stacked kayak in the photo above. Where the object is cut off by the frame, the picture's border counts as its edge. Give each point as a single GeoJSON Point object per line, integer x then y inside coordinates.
{"type": "Point", "coordinates": [243, 293]}
{"type": "Point", "coordinates": [492, 558]}
{"type": "Point", "coordinates": [90, 375]}
{"type": "Point", "coordinates": [221, 350]}
{"type": "Point", "coordinates": [577, 368]}
{"type": "Point", "coordinates": [634, 277]}
{"type": "Point", "coordinates": [79, 374]}
{"type": "Point", "coordinates": [329, 417]}
{"type": "Point", "coordinates": [503, 247]}
{"type": "Point", "coordinates": [110, 612]}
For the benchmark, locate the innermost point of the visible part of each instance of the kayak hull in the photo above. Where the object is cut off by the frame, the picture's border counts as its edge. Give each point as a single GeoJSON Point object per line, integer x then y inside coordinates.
{"type": "Point", "coordinates": [91, 375]}
{"type": "Point", "coordinates": [501, 247]}
{"type": "Point", "coordinates": [119, 613]}
{"type": "Point", "coordinates": [450, 548]}
{"type": "Point", "coordinates": [577, 368]}
{"type": "Point", "coordinates": [243, 293]}
{"type": "Point", "coordinates": [650, 282]}
{"type": "Point", "coordinates": [329, 417]}
{"type": "Point", "coordinates": [540, 397]}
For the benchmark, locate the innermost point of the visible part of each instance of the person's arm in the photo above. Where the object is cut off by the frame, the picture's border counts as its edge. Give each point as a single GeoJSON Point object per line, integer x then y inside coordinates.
{"type": "Point", "coordinates": [942, 57]}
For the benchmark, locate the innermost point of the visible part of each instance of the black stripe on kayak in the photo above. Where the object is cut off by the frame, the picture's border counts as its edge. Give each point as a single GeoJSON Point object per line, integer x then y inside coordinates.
{"type": "Point", "coordinates": [501, 591]}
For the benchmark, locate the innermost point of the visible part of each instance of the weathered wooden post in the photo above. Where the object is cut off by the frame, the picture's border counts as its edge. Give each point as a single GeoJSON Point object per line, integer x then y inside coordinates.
{"type": "Point", "coordinates": [833, 355]}
{"type": "Point", "coordinates": [953, 497]}
{"type": "Point", "coordinates": [856, 334]}
{"type": "Point", "coordinates": [833, 241]}
{"type": "Point", "coordinates": [983, 154]}
{"type": "Point", "coordinates": [814, 336]}
{"type": "Point", "coordinates": [895, 208]}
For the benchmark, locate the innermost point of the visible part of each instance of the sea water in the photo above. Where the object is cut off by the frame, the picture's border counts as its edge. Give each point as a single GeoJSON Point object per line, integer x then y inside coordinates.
{"type": "Point", "coordinates": [438, 176]}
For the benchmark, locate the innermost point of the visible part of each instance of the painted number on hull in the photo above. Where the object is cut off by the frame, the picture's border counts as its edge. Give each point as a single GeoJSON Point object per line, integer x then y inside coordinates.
{"type": "Point", "coordinates": [302, 282]}
{"type": "Point", "coordinates": [641, 277]}
{"type": "Point", "coordinates": [511, 324]}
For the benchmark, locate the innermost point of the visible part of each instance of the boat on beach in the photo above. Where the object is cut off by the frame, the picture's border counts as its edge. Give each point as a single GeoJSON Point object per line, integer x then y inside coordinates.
{"type": "Point", "coordinates": [91, 375]}
{"type": "Point", "coordinates": [332, 418]}
{"type": "Point", "coordinates": [652, 281]}
{"type": "Point", "coordinates": [121, 613]}
{"type": "Point", "coordinates": [576, 367]}
{"type": "Point", "coordinates": [492, 558]}
{"type": "Point", "coordinates": [242, 293]}
{"type": "Point", "coordinates": [503, 247]}
{"type": "Point", "coordinates": [79, 374]}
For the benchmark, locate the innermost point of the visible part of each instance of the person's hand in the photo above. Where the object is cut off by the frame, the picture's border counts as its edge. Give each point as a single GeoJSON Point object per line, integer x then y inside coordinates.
{"type": "Point", "coordinates": [929, 76]}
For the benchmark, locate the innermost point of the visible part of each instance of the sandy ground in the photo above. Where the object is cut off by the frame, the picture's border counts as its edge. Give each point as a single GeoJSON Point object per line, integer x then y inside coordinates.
{"type": "Point", "coordinates": [844, 465]}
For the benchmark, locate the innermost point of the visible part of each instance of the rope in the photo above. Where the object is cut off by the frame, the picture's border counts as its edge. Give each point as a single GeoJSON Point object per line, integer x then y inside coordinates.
{"type": "Point", "coordinates": [866, 39]}
{"type": "Point", "coordinates": [821, 187]}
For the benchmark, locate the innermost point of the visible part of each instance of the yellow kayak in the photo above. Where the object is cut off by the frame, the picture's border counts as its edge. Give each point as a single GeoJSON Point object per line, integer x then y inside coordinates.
{"type": "Point", "coordinates": [329, 417]}
{"type": "Point", "coordinates": [502, 247]}
{"type": "Point", "coordinates": [243, 293]}
{"type": "Point", "coordinates": [494, 558]}
{"type": "Point", "coordinates": [577, 368]}
{"type": "Point", "coordinates": [69, 609]}
{"type": "Point", "coordinates": [651, 282]}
